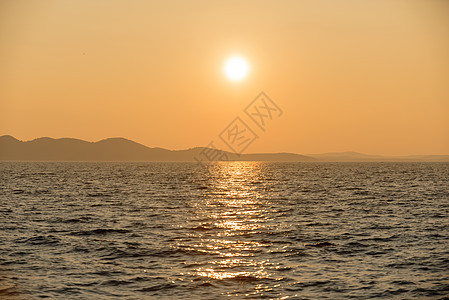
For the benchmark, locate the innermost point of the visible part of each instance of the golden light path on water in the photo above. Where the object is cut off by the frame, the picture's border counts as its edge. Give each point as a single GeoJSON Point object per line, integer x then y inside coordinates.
{"type": "Point", "coordinates": [229, 220]}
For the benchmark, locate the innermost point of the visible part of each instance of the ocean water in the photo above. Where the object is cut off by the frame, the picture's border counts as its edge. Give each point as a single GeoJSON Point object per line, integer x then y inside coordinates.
{"type": "Point", "coordinates": [238, 229]}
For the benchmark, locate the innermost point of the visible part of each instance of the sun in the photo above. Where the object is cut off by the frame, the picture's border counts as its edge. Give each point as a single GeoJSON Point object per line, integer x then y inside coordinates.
{"type": "Point", "coordinates": [236, 68]}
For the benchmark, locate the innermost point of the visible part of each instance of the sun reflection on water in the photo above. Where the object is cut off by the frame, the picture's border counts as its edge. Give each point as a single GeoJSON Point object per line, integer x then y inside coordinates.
{"type": "Point", "coordinates": [229, 222]}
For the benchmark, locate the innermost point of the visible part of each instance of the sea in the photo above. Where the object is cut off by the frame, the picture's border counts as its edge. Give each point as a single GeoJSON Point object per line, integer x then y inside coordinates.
{"type": "Point", "coordinates": [246, 230]}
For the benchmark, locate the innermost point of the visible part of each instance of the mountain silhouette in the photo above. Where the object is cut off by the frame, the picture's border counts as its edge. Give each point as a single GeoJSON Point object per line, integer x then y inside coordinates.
{"type": "Point", "coordinates": [116, 149]}
{"type": "Point", "coordinates": [121, 149]}
{"type": "Point", "coordinates": [361, 157]}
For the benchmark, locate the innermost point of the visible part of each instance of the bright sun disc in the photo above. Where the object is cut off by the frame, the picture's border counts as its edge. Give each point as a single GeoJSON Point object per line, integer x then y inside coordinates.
{"type": "Point", "coordinates": [236, 68]}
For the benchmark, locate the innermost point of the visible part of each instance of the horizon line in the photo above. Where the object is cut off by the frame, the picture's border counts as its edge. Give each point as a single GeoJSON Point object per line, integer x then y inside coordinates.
{"type": "Point", "coordinates": [330, 153]}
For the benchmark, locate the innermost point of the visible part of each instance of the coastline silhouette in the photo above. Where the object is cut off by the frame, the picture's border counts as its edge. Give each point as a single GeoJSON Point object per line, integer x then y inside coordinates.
{"type": "Point", "coordinates": [122, 149]}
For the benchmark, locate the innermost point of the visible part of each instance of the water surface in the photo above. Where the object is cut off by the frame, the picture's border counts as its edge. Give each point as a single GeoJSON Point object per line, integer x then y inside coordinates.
{"type": "Point", "coordinates": [241, 229]}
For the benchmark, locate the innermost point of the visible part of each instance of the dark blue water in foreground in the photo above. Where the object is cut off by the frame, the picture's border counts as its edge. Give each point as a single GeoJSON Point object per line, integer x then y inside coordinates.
{"type": "Point", "coordinates": [247, 230]}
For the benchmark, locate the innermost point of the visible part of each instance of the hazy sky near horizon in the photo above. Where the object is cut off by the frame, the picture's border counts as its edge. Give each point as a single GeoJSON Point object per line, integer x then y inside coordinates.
{"type": "Point", "coordinates": [349, 75]}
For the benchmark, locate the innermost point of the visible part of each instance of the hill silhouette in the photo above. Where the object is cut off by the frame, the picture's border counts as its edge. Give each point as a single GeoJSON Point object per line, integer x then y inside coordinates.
{"type": "Point", "coordinates": [115, 149]}
{"type": "Point", "coordinates": [361, 157]}
{"type": "Point", "coordinates": [121, 149]}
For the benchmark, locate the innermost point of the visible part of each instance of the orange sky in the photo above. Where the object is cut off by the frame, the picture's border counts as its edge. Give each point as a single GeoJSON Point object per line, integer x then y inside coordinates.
{"type": "Point", "coordinates": [366, 76]}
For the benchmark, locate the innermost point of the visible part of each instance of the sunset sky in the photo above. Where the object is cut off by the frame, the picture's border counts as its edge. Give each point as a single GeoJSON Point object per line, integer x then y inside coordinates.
{"type": "Point", "coordinates": [365, 76]}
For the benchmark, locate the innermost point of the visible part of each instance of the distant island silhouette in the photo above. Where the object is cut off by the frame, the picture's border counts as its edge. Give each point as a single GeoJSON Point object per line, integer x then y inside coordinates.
{"type": "Point", "coordinates": [121, 149]}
